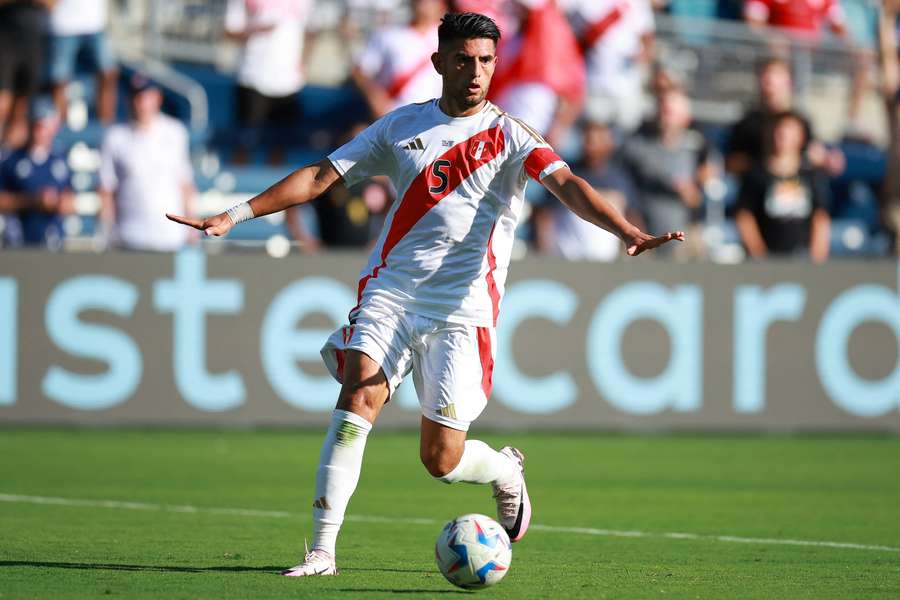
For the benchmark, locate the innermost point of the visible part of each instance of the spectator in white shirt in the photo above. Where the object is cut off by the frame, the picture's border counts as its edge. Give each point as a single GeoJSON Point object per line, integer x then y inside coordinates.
{"type": "Point", "coordinates": [395, 67]}
{"type": "Point", "coordinates": [617, 37]}
{"type": "Point", "coordinates": [145, 172]}
{"type": "Point", "coordinates": [270, 70]}
{"type": "Point", "coordinates": [78, 28]}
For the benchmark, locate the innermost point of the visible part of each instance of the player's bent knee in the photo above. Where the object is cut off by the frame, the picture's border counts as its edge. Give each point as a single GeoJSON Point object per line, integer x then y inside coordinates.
{"type": "Point", "coordinates": [365, 401]}
{"type": "Point", "coordinates": [440, 464]}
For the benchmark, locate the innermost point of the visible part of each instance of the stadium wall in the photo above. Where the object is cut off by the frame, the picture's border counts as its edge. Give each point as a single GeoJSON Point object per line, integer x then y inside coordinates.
{"type": "Point", "coordinates": [233, 340]}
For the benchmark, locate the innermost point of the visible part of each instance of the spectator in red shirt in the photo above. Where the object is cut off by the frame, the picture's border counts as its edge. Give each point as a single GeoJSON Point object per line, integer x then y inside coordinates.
{"type": "Point", "coordinates": [803, 16]}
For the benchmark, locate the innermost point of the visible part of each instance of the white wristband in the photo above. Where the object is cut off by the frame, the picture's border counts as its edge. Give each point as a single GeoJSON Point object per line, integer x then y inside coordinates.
{"type": "Point", "coordinates": [240, 213]}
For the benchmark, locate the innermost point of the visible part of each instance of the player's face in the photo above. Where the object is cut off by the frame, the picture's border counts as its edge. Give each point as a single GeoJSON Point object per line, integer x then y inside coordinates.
{"type": "Point", "coordinates": [467, 67]}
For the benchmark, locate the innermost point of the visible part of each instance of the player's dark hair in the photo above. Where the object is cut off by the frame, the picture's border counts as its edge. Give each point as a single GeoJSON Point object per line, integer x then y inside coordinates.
{"type": "Point", "coordinates": [467, 26]}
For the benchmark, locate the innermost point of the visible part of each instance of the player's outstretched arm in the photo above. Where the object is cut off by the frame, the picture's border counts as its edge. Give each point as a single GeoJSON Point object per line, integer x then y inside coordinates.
{"type": "Point", "coordinates": [301, 186]}
{"type": "Point", "coordinates": [582, 199]}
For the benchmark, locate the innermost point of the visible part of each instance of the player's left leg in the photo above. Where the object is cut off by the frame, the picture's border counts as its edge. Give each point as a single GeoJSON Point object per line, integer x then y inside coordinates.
{"type": "Point", "coordinates": [453, 380]}
{"type": "Point", "coordinates": [363, 394]}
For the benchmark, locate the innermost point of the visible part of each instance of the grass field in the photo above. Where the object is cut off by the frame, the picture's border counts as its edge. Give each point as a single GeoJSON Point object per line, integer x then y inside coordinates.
{"type": "Point", "coordinates": [137, 514]}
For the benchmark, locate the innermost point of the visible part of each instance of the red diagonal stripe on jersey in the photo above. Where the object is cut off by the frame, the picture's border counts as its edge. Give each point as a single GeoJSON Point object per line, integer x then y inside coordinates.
{"type": "Point", "coordinates": [491, 284]}
{"type": "Point", "coordinates": [418, 198]}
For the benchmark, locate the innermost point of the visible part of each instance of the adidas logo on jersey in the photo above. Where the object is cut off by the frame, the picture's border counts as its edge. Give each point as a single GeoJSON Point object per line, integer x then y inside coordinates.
{"type": "Point", "coordinates": [416, 144]}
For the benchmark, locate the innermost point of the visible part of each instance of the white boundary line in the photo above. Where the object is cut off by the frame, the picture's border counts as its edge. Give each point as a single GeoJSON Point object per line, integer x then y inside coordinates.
{"type": "Point", "coordinates": [280, 514]}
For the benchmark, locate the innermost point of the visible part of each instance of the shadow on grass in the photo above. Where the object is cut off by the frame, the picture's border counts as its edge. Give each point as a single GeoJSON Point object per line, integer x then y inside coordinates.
{"type": "Point", "coordinates": [379, 570]}
{"type": "Point", "coordinates": [221, 569]}
{"type": "Point", "coordinates": [123, 567]}
{"type": "Point", "coordinates": [396, 591]}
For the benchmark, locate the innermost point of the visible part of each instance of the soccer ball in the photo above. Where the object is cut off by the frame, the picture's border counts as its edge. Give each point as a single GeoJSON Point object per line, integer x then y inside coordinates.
{"type": "Point", "coordinates": [473, 551]}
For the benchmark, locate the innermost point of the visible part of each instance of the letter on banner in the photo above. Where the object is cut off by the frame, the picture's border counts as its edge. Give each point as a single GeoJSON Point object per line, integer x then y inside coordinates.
{"type": "Point", "coordinates": [754, 310]}
{"type": "Point", "coordinates": [9, 324]}
{"type": "Point", "coordinates": [98, 342]}
{"type": "Point", "coordinates": [535, 395]}
{"type": "Point", "coordinates": [679, 311]}
{"type": "Point", "coordinates": [189, 296]}
{"type": "Point", "coordinates": [283, 345]}
{"type": "Point", "coordinates": [858, 396]}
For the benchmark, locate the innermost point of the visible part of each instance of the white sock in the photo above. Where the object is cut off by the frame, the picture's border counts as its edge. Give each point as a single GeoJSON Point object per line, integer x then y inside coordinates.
{"type": "Point", "coordinates": [481, 464]}
{"type": "Point", "coordinates": [337, 475]}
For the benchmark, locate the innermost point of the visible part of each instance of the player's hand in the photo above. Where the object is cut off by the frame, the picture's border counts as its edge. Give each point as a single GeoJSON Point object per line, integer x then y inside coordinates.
{"type": "Point", "coordinates": [217, 225]}
{"type": "Point", "coordinates": [641, 241]}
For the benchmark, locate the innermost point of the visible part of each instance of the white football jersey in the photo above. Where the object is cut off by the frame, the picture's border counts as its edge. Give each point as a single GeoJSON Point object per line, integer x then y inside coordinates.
{"type": "Point", "coordinates": [446, 243]}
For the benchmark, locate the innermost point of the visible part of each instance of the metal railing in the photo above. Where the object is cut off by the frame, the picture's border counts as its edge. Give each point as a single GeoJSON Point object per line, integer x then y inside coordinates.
{"type": "Point", "coordinates": [717, 60]}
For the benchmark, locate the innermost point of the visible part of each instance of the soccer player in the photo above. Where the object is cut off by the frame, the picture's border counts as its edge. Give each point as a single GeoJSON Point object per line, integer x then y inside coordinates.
{"type": "Point", "coordinates": [430, 294]}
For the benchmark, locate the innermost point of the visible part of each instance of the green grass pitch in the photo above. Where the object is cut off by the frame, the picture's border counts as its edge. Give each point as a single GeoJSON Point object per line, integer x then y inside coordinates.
{"type": "Point", "coordinates": [737, 500]}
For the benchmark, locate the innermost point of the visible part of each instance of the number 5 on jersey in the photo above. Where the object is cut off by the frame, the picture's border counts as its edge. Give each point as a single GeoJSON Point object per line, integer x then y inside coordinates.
{"type": "Point", "coordinates": [440, 169]}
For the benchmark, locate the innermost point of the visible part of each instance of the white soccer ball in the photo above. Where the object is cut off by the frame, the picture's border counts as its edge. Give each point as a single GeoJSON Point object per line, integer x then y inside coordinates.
{"type": "Point", "coordinates": [473, 551]}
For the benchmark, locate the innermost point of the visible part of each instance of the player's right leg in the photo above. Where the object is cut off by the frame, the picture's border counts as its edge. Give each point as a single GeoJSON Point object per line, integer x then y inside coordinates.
{"type": "Point", "coordinates": [363, 394]}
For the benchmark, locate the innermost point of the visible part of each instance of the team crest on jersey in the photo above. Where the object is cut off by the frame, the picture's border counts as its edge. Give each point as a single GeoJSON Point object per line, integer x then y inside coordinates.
{"type": "Point", "coordinates": [481, 148]}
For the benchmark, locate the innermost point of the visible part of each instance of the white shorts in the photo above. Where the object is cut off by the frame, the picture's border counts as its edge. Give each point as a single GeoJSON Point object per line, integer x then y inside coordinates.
{"type": "Point", "coordinates": [452, 364]}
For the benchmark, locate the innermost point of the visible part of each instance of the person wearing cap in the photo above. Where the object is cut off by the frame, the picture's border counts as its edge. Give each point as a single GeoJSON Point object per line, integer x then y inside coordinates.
{"type": "Point", "coordinates": [145, 171]}
{"type": "Point", "coordinates": [35, 185]}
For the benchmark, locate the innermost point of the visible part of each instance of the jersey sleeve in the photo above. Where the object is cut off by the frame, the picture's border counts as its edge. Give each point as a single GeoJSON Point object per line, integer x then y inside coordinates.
{"type": "Point", "coordinates": [542, 161]}
{"type": "Point", "coordinates": [366, 155]}
{"type": "Point", "coordinates": [537, 157]}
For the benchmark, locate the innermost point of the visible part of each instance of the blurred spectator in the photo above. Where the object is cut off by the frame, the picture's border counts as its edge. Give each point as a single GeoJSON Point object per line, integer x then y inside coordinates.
{"type": "Point", "coordinates": [364, 16]}
{"type": "Point", "coordinates": [503, 12]}
{"type": "Point", "coordinates": [782, 202]}
{"type": "Point", "coordinates": [803, 17]}
{"type": "Point", "coordinates": [559, 231]}
{"type": "Point", "coordinates": [540, 74]}
{"type": "Point", "coordinates": [35, 181]}
{"type": "Point", "coordinates": [617, 38]}
{"type": "Point", "coordinates": [746, 144]}
{"type": "Point", "coordinates": [668, 162]}
{"type": "Point", "coordinates": [347, 217]}
{"type": "Point", "coordinates": [270, 70]}
{"type": "Point", "coordinates": [23, 24]}
{"type": "Point", "coordinates": [78, 30]}
{"type": "Point", "coordinates": [395, 67]}
{"type": "Point", "coordinates": [890, 77]}
{"type": "Point", "coordinates": [145, 172]}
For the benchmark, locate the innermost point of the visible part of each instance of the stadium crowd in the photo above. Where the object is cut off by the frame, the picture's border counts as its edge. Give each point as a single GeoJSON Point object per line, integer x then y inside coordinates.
{"type": "Point", "coordinates": [589, 75]}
